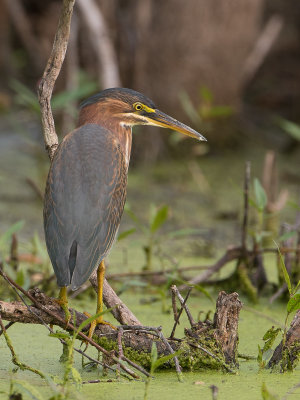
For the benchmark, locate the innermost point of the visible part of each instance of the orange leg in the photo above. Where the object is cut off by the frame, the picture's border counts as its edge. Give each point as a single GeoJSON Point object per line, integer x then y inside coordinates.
{"type": "Point", "coordinates": [100, 281]}
{"type": "Point", "coordinates": [99, 320]}
{"type": "Point", "coordinates": [63, 302]}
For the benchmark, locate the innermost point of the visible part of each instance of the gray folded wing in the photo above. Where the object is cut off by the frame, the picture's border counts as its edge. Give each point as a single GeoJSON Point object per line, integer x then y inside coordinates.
{"type": "Point", "coordinates": [84, 202]}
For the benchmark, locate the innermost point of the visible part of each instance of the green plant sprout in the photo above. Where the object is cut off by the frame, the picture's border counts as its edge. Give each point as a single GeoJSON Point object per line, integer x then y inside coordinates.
{"type": "Point", "coordinates": [152, 247]}
{"type": "Point", "coordinates": [259, 203]}
{"type": "Point", "coordinates": [158, 217]}
{"type": "Point", "coordinates": [289, 127]}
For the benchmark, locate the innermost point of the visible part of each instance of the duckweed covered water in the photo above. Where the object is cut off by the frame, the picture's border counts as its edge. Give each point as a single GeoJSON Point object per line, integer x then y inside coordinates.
{"type": "Point", "coordinates": [34, 347]}
{"type": "Point", "coordinates": [192, 205]}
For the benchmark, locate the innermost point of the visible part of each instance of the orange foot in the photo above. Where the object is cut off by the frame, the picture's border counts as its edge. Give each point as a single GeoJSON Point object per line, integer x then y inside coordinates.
{"type": "Point", "coordinates": [95, 322]}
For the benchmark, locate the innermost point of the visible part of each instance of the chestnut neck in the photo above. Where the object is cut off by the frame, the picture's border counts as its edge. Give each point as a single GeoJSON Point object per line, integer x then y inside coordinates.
{"type": "Point", "coordinates": [101, 115]}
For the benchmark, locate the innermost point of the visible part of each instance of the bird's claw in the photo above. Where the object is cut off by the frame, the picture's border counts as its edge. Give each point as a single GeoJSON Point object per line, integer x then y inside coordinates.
{"type": "Point", "coordinates": [94, 323]}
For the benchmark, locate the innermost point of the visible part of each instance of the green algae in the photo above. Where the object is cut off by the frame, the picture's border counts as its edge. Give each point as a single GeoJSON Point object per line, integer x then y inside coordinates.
{"type": "Point", "coordinates": [35, 348]}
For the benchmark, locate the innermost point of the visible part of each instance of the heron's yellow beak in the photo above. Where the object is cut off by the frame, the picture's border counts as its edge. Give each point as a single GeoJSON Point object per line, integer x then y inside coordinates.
{"type": "Point", "coordinates": [158, 118]}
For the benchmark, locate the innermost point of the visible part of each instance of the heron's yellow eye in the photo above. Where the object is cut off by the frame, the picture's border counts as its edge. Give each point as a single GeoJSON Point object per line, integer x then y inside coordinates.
{"type": "Point", "coordinates": [138, 106]}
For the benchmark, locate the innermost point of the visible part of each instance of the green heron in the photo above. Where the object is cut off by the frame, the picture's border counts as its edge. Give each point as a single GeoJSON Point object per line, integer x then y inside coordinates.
{"type": "Point", "coordinates": [86, 185]}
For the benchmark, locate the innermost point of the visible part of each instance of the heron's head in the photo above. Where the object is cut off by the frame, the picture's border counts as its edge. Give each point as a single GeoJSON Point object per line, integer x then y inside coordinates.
{"type": "Point", "coordinates": [128, 108]}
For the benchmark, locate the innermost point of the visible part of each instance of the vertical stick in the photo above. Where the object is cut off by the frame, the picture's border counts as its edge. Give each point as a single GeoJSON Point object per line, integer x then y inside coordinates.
{"type": "Point", "coordinates": [14, 258]}
{"type": "Point", "coordinates": [174, 306]}
{"type": "Point", "coordinates": [180, 311]}
{"type": "Point", "coordinates": [246, 205]}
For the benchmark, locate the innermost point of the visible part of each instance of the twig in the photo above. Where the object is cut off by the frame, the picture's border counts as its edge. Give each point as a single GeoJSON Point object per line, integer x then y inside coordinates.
{"type": "Point", "coordinates": [7, 326]}
{"type": "Point", "coordinates": [15, 358]}
{"type": "Point", "coordinates": [185, 307]}
{"type": "Point", "coordinates": [136, 366]}
{"type": "Point", "coordinates": [167, 344]}
{"type": "Point", "coordinates": [180, 311]}
{"type": "Point", "coordinates": [51, 73]}
{"type": "Point", "coordinates": [120, 347]}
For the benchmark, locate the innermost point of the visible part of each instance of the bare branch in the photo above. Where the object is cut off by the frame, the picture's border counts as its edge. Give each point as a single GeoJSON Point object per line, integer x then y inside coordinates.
{"type": "Point", "coordinates": [51, 73]}
{"type": "Point", "coordinates": [231, 254]}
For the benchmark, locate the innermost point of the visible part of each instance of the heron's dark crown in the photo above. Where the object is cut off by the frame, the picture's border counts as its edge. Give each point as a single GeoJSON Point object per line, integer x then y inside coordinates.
{"type": "Point", "coordinates": [128, 96]}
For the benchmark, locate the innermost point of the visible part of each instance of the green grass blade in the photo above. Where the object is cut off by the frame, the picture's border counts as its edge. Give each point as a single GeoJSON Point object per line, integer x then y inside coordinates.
{"type": "Point", "coordinates": [159, 218]}
{"type": "Point", "coordinates": [284, 270]}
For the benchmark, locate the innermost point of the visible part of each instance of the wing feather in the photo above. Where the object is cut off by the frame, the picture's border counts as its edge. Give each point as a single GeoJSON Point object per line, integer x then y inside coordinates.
{"type": "Point", "coordinates": [84, 201]}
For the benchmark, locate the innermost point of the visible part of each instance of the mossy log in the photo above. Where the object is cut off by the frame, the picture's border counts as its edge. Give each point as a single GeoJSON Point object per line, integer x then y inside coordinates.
{"type": "Point", "coordinates": [208, 344]}
{"type": "Point", "coordinates": [287, 354]}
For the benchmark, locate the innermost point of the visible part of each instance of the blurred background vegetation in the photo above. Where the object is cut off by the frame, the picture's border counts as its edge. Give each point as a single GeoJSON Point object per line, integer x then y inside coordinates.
{"type": "Point", "coordinates": [229, 69]}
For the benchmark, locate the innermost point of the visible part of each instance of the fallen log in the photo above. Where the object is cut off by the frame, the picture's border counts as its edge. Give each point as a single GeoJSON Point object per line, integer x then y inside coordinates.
{"type": "Point", "coordinates": [208, 344]}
